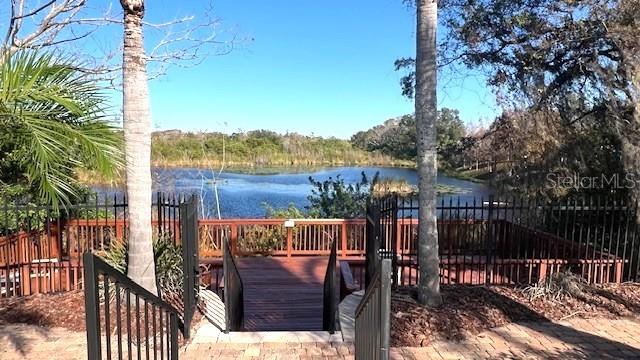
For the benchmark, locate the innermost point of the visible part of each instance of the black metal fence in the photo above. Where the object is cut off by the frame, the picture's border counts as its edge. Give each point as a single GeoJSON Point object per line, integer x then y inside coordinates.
{"type": "Point", "coordinates": [233, 292]}
{"type": "Point", "coordinates": [372, 239]}
{"type": "Point", "coordinates": [41, 248]}
{"type": "Point", "coordinates": [509, 241]}
{"type": "Point", "coordinates": [329, 293]}
{"type": "Point", "coordinates": [372, 316]}
{"type": "Point", "coordinates": [124, 320]}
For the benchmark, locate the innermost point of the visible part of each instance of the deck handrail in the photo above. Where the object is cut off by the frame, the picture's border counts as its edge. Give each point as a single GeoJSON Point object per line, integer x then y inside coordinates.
{"type": "Point", "coordinates": [98, 277]}
{"type": "Point", "coordinates": [329, 300]}
{"type": "Point", "coordinates": [372, 316]}
{"type": "Point", "coordinates": [233, 292]}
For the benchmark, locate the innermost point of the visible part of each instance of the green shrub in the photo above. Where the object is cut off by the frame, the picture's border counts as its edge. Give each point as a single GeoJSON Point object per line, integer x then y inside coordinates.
{"type": "Point", "coordinates": [336, 199]}
{"type": "Point", "coordinates": [168, 261]}
{"type": "Point", "coordinates": [262, 240]}
{"type": "Point", "coordinates": [291, 212]}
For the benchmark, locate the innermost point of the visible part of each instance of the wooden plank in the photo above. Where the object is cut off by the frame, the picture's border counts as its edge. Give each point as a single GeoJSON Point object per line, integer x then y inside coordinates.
{"type": "Point", "coordinates": [282, 293]}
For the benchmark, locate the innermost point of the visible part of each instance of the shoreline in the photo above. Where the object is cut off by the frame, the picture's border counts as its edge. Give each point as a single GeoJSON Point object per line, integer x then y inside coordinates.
{"type": "Point", "coordinates": [200, 164]}
{"type": "Point", "coordinates": [91, 179]}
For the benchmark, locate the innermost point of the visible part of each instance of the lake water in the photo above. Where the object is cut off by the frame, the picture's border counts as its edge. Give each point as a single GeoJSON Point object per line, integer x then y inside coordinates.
{"type": "Point", "coordinates": [242, 195]}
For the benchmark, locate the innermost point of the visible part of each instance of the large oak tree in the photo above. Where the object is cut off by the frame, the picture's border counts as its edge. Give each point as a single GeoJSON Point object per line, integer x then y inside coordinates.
{"type": "Point", "coordinates": [575, 60]}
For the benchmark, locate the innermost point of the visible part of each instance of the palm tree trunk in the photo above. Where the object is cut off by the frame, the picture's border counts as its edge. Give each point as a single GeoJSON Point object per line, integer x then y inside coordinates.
{"type": "Point", "coordinates": [137, 136]}
{"type": "Point", "coordinates": [426, 112]}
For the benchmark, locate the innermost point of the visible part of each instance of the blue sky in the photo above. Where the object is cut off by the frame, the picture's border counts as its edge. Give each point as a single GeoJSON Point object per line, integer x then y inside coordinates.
{"type": "Point", "coordinates": [321, 67]}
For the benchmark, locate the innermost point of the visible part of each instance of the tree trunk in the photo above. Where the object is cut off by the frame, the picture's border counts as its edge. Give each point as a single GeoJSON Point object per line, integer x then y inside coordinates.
{"type": "Point", "coordinates": [137, 136]}
{"type": "Point", "coordinates": [630, 139]}
{"type": "Point", "coordinates": [426, 113]}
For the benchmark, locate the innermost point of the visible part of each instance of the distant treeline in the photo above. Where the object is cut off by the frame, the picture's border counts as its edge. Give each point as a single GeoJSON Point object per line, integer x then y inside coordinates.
{"type": "Point", "coordinates": [397, 138]}
{"type": "Point", "coordinates": [260, 148]}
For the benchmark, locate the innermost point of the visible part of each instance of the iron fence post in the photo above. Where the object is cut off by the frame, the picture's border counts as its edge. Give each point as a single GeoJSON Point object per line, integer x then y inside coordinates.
{"type": "Point", "coordinates": [489, 241]}
{"type": "Point", "coordinates": [227, 285]}
{"type": "Point", "coordinates": [372, 241]}
{"type": "Point", "coordinates": [385, 309]}
{"type": "Point", "coordinates": [91, 308]}
{"type": "Point", "coordinates": [184, 234]}
{"type": "Point", "coordinates": [173, 326]}
{"type": "Point", "coordinates": [160, 213]}
{"type": "Point", "coordinates": [394, 238]}
{"type": "Point", "coordinates": [188, 234]}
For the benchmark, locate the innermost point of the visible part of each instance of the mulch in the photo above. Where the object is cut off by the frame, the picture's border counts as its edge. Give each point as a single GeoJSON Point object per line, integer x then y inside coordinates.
{"type": "Point", "coordinates": [469, 310]}
{"type": "Point", "coordinates": [65, 310]}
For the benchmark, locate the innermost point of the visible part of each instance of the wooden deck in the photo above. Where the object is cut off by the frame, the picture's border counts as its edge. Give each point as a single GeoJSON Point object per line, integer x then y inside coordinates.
{"type": "Point", "coordinates": [282, 293]}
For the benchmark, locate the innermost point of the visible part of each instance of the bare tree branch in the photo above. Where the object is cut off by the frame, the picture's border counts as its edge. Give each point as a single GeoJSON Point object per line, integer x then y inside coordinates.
{"type": "Point", "coordinates": [71, 25]}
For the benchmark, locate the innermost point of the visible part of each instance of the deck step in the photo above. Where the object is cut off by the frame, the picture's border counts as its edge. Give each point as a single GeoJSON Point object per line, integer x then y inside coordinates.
{"type": "Point", "coordinates": [347, 316]}
{"type": "Point", "coordinates": [282, 294]}
{"type": "Point", "coordinates": [207, 333]}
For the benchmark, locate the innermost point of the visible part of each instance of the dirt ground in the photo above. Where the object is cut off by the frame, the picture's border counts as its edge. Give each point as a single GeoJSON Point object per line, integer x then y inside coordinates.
{"type": "Point", "coordinates": [64, 310]}
{"type": "Point", "coordinates": [469, 310]}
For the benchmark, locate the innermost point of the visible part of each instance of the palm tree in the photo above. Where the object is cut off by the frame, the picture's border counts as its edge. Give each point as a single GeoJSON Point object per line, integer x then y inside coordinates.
{"type": "Point", "coordinates": [137, 137]}
{"type": "Point", "coordinates": [426, 114]}
{"type": "Point", "coordinates": [52, 123]}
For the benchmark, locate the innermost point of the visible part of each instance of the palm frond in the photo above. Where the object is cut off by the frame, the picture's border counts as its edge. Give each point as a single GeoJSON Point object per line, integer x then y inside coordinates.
{"type": "Point", "coordinates": [58, 115]}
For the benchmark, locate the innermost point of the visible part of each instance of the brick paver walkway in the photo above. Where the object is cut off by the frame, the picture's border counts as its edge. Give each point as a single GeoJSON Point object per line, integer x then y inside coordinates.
{"type": "Point", "coordinates": [33, 342]}
{"type": "Point", "coordinates": [574, 339]}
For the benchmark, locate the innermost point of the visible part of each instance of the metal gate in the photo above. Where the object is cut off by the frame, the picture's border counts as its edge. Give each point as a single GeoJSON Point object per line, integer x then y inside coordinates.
{"type": "Point", "coordinates": [189, 235]}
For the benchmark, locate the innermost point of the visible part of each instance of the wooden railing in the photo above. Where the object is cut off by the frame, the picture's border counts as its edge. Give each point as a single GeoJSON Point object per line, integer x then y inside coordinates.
{"type": "Point", "coordinates": [476, 251]}
{"type": "Point", "coordinates": [246, 236]}
{"type": "Point", "coordinates": [554, 252]}
{"type": "Point", "coordinates": [273, 237]}
{"type": "Point", "coordinates": [80, 235]}
{"type": "Point", "coordinates": [50, 259]}
{"type": "Point", "coordinates": [24, 247]}
{"type": "Point", "coordinates": [297, 237]}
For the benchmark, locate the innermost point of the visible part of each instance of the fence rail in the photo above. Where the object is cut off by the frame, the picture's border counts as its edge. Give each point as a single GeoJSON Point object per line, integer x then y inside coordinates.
{"type": "Point", "coordinates": [144, 326]}
{"type": "Point", "coordinates": [510, 241]}
{"type": "Point", "coordinates": [41, 248]}
{"type": "Point", "coordinates": [372, 316]}
{"type": "Point", "coordinates": [481, 241]}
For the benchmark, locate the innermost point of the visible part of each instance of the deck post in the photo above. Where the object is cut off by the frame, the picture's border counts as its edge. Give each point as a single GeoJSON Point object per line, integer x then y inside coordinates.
{"type": "Point", "coordinates": [344, 238]}
{"type": "Point", "coordinates": [289, 241]}
{"type": "Point", "coordinates": [542, 270]}
{"type": "Point", "coordinates": [618, 271]}
{"type": "Point", "coordinates": [399, 237]}
{"type": "Point", "coordinates": [25, 279]}
{"type": "Point", "coordinates": [234, 239]}
{"type": "Point", "coordinates": [119, 229]}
